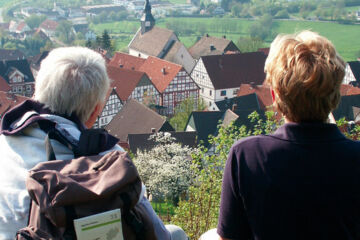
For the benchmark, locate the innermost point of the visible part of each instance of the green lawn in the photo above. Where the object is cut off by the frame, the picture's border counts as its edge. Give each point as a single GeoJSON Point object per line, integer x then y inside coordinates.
{"type": "Point", "coordinates": [178, 1]}
{"type": "Point", "coordinates": [345, 37]}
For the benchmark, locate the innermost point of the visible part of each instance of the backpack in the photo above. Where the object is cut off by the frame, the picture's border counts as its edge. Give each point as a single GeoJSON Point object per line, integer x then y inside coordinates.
{"type": "Point", "coordinates": [64, 190]}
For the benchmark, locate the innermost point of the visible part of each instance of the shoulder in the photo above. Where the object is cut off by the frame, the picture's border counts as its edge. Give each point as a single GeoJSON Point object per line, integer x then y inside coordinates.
{"type": "Point", "coordinates": [252, 142]}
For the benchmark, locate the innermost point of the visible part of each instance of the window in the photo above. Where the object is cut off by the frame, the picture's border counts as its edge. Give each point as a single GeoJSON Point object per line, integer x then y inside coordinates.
{"type": "Point", "coordinates": [210, 103]}
{"type": "Point", "coordinates": [210, 93]}
{"type": "Point", "coordinates": [202, 90]}
{"type": "Point", "coordinates": [235, 91]}
{"type": "Point", "coordinates": [223, 93]}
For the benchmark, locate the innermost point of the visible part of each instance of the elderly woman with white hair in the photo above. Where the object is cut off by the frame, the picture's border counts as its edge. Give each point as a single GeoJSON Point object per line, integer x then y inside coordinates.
{"type": "Point", "coordinates": [70, 90]}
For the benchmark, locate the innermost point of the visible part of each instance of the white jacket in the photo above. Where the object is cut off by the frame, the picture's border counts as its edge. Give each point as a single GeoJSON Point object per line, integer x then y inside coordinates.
{"type": "Point", "coordinates": [20, 153]}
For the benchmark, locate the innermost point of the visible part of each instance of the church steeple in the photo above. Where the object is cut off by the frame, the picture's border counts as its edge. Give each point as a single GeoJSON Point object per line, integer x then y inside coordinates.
{"type": "Point", "coordinates": [147, 19]}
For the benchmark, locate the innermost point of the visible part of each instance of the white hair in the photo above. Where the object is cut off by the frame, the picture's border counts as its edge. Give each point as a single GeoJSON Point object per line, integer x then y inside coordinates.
{"type": "Point", "coordinates": [72, 80]}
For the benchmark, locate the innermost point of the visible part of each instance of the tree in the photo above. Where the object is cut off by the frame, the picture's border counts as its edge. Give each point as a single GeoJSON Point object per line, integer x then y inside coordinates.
{"type": "Point", "coordinates": [34, 21]}
{"type": "Point", "coordinates": [199, 212]}
{"type": "Point", "coordinates": [88, 43]}
{"type": "Point", "coordinates": [105, 40]}
{"type": "Point", "coordinates": [65, 32]}
{"type": "Point", "coordinates": [184, 110]}
{"type": "Point", "coordinates": [246, 44]}
{"type": "Point", "coordinates": [165, 169]}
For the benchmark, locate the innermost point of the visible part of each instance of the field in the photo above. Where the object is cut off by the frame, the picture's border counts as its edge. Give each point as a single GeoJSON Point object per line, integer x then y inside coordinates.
{"type": "Point", "coordinates": [344, 37]}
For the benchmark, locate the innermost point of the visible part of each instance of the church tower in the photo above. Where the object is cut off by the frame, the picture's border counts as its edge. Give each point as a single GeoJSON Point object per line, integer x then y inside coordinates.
{"type": "Point", "coordinates": [147, 19]}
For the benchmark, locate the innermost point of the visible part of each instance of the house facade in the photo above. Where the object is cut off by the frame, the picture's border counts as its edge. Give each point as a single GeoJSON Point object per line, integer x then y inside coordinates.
{"type": "Point", "coordinates": [352, 73]}
{"type": "Point", "coordinates": [18, 75]}
{"type": "Point", "coordinates": [220, 76]}
{"type": "Point", "coordinates": [49, 27]}
{"type": "Point", "coordinates": [126, 84]}
{"type": "Point", "coordinates": [112, 106]}
{"type": "Point", "coordinates": [172, 81]}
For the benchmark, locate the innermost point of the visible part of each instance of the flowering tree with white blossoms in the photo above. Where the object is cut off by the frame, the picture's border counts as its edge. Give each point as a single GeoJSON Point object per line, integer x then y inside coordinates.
{"type": "Point", "coordinates": [165, 169]}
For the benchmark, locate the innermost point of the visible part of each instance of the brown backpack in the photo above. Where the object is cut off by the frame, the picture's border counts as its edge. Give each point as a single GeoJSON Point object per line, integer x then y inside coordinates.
{"type": "Point", "coordinates": [62, 191]}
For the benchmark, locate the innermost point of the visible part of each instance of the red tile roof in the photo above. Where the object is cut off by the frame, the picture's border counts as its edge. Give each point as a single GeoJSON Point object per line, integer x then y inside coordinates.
{"type": "Point", "coordinates": [263, 93]}
{"type": "Point", "coordinates": [160, 72]}
{"type": "Point", "coordinates": [232, 70]}
{"type": "Point", "coordinates": [124, 81]}
{"type": "Point", "coordinates": [127, 61]}
{"type": "Point", "coordinates": [346, 90]}
{"type": "Point", "coordinates": [21, 26]}
{"type": "Point", "coordinates": [49, 25]}
{"type": "Point", "coordinates": [9, 100]}
{"type": "Point", "coordinates": [4, 86]}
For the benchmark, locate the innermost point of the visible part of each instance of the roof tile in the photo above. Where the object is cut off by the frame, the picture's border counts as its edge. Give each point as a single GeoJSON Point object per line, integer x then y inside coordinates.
{"type": "Point", "coordinates": [160, 72]}
{"type": "Point", "coordinates": [124, 81]}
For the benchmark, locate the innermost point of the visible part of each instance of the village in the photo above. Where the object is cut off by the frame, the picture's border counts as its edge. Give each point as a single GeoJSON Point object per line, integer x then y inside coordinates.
{"type": "Point", "coordinates": [158, 73]}
{"type": "Point", "coordinates": [160, 86]}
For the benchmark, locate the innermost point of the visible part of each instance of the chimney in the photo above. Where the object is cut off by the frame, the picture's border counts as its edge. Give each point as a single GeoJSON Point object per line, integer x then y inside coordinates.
{"type": "Point", "coordinates": [163, 71]}
{"type": "Point", "coordinates": [234, 106]}
{"type": "Point", "coordinates": [121, 66]}
{"type": "Point", "coordinates": [212, 47]}
{"type": "Point", "coordinates": [153, 130]}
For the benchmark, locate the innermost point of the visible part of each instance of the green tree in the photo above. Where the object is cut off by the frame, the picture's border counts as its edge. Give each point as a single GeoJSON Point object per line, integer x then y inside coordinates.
{"type": "Point", "coordinates": [249, 44]}
{"type": "Point", "coordinates": [184, 110]}
{"type": "Point", "coordinates": [199, 212]}
{"type": "Point", "coordinates": [65, 32]}
{"type": "Point", "coordinates": [34, 21]}
{"type": "Point", "coordinates": [105, 40]}
{"type": "Point", "coordinates": [88, 43]}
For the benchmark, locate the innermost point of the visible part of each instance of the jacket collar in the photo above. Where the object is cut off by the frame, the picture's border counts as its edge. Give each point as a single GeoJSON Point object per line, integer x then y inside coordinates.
{"type": "Point", "coordinates": [309, 132]}
{"type": "Point", "coordinates": [30, 111]}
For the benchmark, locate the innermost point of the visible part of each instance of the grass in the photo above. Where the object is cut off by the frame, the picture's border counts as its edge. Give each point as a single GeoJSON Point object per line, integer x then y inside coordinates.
{"type": "Point", "coordinates": [164, 210]}
{"type": "Point", "coordinates": [178, 1]}
{"type": "Point", "coordinates": [344, 37]}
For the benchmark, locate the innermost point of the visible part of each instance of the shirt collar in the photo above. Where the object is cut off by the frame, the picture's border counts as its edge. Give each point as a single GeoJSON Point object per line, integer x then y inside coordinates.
{"type": "Point", "coordinates": [309, 132]}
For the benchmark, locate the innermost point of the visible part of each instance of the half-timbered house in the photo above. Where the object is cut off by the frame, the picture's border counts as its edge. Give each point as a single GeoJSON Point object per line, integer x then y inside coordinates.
{"type": "Point", "coordinates": [172, 81]}
{"type": "Point", "coordinates": [220, 76]}
{"type": "Point", "coordinates": [126, 84]}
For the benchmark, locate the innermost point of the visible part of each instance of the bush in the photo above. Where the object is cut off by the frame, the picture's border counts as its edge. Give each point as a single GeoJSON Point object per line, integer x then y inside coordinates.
{"type": "Point", "coordinates": [199, 212]}
{"type": "Point", "coordinates": [282, 14]}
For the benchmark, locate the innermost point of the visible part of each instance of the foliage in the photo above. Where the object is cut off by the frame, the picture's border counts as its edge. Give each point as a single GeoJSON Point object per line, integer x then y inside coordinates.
{"type": "Point", "coordinates": [65, 32]}
{"type": "Point", "coordinates": [199, 212]}
{"type": "Point", "coordinates": [183, 112]}
{"type": "Point", "coordinates": [349, 129]}
{"type": "Point", "coordinates": [235, 28]}
{"type": "Point", "coordinates": [105, 40]}
{"type": "Point", "coordinates": [262, 28]}
{"type": "Point", "coordinates": [34, 21]}
{"type": "Point", "coordinates": [248, 44]}
{"type": "Point", "coordinates": [165, 169]}
{"type": "Point", "coordinates": [31, 46]}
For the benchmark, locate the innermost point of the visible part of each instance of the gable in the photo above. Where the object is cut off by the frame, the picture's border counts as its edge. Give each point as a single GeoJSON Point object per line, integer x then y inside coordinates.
{"type": "Point", "coordinates": [160, 72]}
{"type": "Point", "coordinates": [7, 68]}
{"type": "Point", "coordinates": [201, 76]}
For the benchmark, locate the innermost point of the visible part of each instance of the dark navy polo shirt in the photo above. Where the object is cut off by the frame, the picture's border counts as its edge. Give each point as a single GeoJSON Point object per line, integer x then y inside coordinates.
{"type": "Point", "coordinates": [302, 182]}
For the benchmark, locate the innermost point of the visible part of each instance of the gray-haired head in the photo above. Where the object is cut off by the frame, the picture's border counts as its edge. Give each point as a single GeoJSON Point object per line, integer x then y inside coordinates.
{"type": "Point", "coordinates": [72, 80]}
